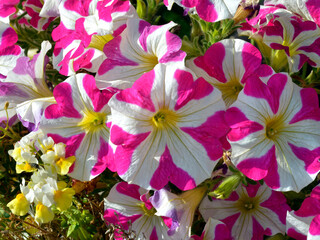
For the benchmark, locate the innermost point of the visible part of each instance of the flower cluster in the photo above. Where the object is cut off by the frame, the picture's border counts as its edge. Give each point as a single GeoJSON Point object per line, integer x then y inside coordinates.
{"type": "Point", "coordinates": [225, 132]}
{"type": "Point", "coordinates": [44, 189]}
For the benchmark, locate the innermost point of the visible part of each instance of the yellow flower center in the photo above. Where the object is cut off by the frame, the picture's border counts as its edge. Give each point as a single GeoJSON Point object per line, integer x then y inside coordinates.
{"type": "Point", "coordinates": [93, 121]}
{"type": "Point", "coordinates": [247, 204]}
{"type": "Point", "coordinates": [149, 61]}
{"type": "Point", "coordinates": [148, 212]}
{"type": "Point", "coordinates": [63, 164]}
{"type": "Point", "coordinates": [164, 118]}
{"type": "Point", "coordinates": [98, 42]}
{"type": "Point", "coordinates": [274, 127]}
{"type": "Point", "coordinates": [27, 167]}
{"type": "Point", "coordinates": [230, 90]}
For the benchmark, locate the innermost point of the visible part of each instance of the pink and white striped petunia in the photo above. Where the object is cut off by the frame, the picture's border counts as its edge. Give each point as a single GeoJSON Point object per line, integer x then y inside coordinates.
{"type": "Point", "coordinates": [208, 10]}
{"type": "Point", "coordinates": [168, 127]}
{"type": "Point", "coordinates": [275, 132]}
{"type": "Point", "coordinates": [128, 206]}
{"type": "Point", "coordinates": [33, 8]}
{"type": "Point", "coordinates": [304, 223]}
{"type": "Point", "coordinates": [26, 90]}
{"type": "Point", "coordinates": [79, 121]}
{"type": "Point", "coordinates": [85, 27]}
{"type": "Point", "coordinates": [138, 49]}
{"type": "Point", "coordinates": [7, 8]}
{"type": "Point", "coordinates": [227, 65]}
{"type": "Point", "coordinates": [9, 52]}
{"type": "Point", "coordinates": [214, 230]}
{"type": "Point", "coordinates": [250, 212]}
{"type": "Point", "coordinates": [308, 9]}
{"type": "Point", "coordinates": [297, 40]}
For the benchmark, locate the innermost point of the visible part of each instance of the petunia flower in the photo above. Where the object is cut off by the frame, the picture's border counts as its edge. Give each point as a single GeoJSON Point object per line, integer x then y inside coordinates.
{"type": "Point", "coordinates": [250, 212]}
{"type": "Point", "coordinates": [308, 9]}
{"type": "Point", "coordinates": [287, 33]}
{"type": "Point", "coordinates": [167, 127]}
{"type": "Point", "coordinates": [26, 90]}
{"type": "Point", "coordinates": [208, 10]}
{"type": "Point", "coordinates": [227, 65]}
{"type": "Point", "coordinates": [137, 50]}
{"type": "Point", "coordinates": [281, 37]}
{"type": "Point", "coordinates": [180, 208]}
{"type": "Point", "coordinates": [128, 206]}
{"type": "Point", "coordinates": [79, 121]}
{"type": "Point", "coordinates": [304, 223]}
{"type": "Point", "coordinates": [85, 27]}
{"type": "Point", "coordinates": [275, 132]}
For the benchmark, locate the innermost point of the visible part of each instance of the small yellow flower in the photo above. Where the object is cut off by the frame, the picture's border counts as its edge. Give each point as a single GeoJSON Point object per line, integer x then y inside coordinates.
{"type": "Point", "coordinates": [25, 167]}
{"type": "Point", "coordinates": [63, 196]}
{"type": "Point", "coordinates": [16, 153]}
{"type": "Point", "coordinates": [20, 205]}
{"type": "Point", "coordinates": [43, 214]}
{"type": "Point", "coordinates": [63, 164]}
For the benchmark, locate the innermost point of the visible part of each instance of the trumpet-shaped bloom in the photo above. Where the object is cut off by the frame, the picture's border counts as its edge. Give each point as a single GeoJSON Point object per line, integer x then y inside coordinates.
{"type": "Point", "coordinates": [26, 90]}
{"type": "Point", "coordinates": [250, 212]}
{"type": "Point", "coordinates": [167, 127]}
{"type": "Point", "coordinates": [285, 33]}
{"type": "Point", "coordinates": [304, 223]}
{"type": "Point", "coordinates": [275, 133]}
{"type": "Point", "coordinates": [86, 26]}
{"type": "Point", "coordinates": [288, 33]}
{"type": "Point", "coordinates": [227, 65]}
{"type": "Point", "coordinates": [209, 10]}
{"type": "Point", "coordinates": [308, 9]}
{"type": "Point", "coordinates": [79, 121]}
{"type": "Point", "coordinates": [180, 208]}
{"type": "Point", "coordinates": [129, 204]}
{"type": "Point", "coordinates": [138, 49]}
{"type": "Point", "coordinates": [214, 230]}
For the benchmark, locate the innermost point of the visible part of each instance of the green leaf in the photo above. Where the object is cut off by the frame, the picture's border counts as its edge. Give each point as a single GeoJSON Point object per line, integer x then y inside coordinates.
{"type": "Point", "coordinates": [71, 229]}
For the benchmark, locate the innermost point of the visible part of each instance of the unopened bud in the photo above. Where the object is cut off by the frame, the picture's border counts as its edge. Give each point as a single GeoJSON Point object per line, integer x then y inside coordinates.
{"type": "Point", "coordinates": [246, 9]}
{"type": "Point", "coordinates": [228, 185]}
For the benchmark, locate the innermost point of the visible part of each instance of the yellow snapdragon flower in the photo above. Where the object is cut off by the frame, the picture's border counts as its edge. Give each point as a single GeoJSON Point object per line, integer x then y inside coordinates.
{"type": "Point", "coordinates": [63, 196]}
{"type": "Point", "coordinates": [20, 205]}
{"type": "Point", "coordinates": [43, 214]}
